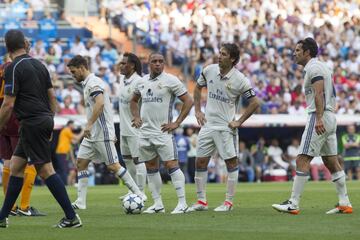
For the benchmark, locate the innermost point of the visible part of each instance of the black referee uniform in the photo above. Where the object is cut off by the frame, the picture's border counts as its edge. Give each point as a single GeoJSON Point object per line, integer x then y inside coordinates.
{"type": "Point", "coordinates": [29, 80]}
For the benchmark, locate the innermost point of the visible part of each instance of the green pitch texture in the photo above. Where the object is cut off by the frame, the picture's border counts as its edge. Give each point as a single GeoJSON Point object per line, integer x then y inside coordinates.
{"type": "Point", "coordinates": [251, 218]}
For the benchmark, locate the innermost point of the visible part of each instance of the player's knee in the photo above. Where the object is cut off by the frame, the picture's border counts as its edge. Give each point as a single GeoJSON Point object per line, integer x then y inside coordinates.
{"type": "Point", "coordinates": [202, 163]}
{"type": "Point", "coordinates": [114, 167]}
{"type": "Point", "coordinates": [171, 164]}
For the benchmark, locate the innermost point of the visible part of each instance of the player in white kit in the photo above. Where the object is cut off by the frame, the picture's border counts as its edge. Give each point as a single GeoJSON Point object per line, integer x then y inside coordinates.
{"type": "Point", "coordinates": [319, 137]}
{"type": "Point", "coordinates": [99, 133]}
{"type": "Point", "coordinates": [130, 68]}
{"type": "Point", "coordinates": [157, 92]}
{"type": "Point", "coordinates": [225, 85]}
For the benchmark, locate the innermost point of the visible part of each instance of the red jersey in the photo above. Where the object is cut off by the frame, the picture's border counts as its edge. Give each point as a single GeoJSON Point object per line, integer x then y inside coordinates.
{"type": "Point", "coordinates": [12, 126]}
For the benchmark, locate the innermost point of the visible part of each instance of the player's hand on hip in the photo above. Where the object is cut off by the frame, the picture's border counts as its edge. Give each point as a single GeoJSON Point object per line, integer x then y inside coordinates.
{"type": "Point", "coordinates": [200, 117]}
{"type": "Point", "coordinates": [234, 124]}
{"type": "Point", "coordinates": [319, 127]}
{"type": "Point", "coordinates": [136, 122]}
{"type": "Point", "coordinates": [169, 127]}
{"type": "Point", "coordinates": [87, 131]}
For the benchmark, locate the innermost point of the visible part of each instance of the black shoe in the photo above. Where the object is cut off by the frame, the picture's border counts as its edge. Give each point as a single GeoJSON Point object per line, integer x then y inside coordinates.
{"type": "Point", "coordinates": [69, 223]}
{"type": "Point", "coordinates": [4, 223]}
{"type": "Point", "coordinates": [30, 212]}
{"type": "Point", "coordinates": [14, 212]}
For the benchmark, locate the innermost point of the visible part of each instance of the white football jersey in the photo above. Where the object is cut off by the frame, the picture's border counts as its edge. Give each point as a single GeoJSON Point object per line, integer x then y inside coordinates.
{"type": "Point", "coordinates": [223, 95]}
{"type": "Point", "coordinates": [126, 91]}
{"type": "Point", "coordinates": [157, 100]}
{"type": "Point", "coordinates": [103, 128]}
{"type": "Point", "coordinates": [316, 70]}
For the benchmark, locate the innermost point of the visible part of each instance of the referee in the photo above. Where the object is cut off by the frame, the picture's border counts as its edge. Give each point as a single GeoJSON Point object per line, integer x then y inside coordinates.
{"type": "Point", "coordinates": [29, 92]}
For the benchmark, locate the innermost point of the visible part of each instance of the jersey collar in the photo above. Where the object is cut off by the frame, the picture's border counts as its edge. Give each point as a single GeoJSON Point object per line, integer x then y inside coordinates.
{"type": "Point", "coordinates": [157, 78]}
{"type": "Point", "coordinates": [130, 79]}
{"type": "Point", "coordinates": [228, 75]}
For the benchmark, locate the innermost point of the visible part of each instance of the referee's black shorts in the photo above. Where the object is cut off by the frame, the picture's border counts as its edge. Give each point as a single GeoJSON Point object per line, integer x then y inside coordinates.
{"type": "Point", "coordinates": [34, 142]}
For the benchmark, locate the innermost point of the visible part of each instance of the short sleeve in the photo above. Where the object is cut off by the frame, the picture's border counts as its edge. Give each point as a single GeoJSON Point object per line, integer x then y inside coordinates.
{"type": "Point", "coordinates": [202, 80]}
{"type": "Point", "coordinates": [315, 74]}
{"type": "Point", "coordinates": [246, 90]}
{"type": "Point", "coordinates": [96, 89]}
{"type": "Point", "coordinates": [137, 86]}
{"type": "Point", "coordinates": [11, 81]}
{"type": "Point", "coordinates": [177, 87]}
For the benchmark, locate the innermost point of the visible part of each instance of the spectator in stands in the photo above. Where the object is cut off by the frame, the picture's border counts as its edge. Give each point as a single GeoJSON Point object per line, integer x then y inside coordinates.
{"type": "Point", "coordinates": [78, 47]}
{"type": "Point", "coordinates": [246, 162]}
{"type": "Point", "coordinates": [351, 143]}
{"type": "Point", "coordinates": [71, 91]}
{"type": "Point", "coordinates": [291, 152]}
{"type": "Point", "coordinates": [261, 158]}
{"type": "Point", "coordinates": [57, 48]}
{"type": "Point", "coordinates": [276, 154]}
{"type": "Point", "coordinates": [38, 50]}
{"type": "Point", "coordinates": [67, 107]}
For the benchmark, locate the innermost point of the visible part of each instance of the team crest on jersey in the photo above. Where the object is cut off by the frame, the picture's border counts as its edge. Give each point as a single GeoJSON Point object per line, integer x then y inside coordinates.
{"type": "Point", "coordinates": [228, 85]}
{"type": "Point", "coordinates": [149, 93]}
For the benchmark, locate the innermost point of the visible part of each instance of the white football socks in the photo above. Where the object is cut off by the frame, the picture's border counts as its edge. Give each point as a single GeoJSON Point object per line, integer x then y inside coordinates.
{"type": "Point", "coordinates": [155, 183]}
{"type": "Point", "coordinates": [231, 185]}
{"type": "Point", "coordinates": [129, 181]}
{"type": "Point", "coordinates": [141, 176]}
{"type": "Point", "coordinates": [298, 187]}
{"type": "Point", "coordinates": [178, 180]}
{"type": "Point", "coordinates": [340, 184]}
{"type": "Point", "coordinates": [83, 179]}
{"type": "Point", "coordinates": [200, 181]}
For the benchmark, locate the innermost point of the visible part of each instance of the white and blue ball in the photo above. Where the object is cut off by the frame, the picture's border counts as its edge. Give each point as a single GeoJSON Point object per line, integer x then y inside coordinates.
{"type": "Point", "coordinates": [133, 204]}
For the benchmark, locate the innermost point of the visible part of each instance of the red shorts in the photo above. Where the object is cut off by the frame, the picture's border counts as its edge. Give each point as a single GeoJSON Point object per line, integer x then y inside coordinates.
{"type": "Point", "coordinates": [7, 146]}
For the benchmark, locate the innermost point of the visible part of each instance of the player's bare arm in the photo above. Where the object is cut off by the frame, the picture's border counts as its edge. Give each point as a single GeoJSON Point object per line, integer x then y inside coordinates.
{"type": "Point", "coordinates": [319, 104]}
{"type": "Point", "coordinates": [52, 100]}
{"type": "Point", "coordinates": [6, 110]}
{"type": "Point", "coordinates": [253, 106]}
{"type": "Point", "coordinates": [188, 103]}
{"type": "Point", "coordinates": [97, 110]}
{"type": "Point", "coordinates": [134, 107]}
{"type": "Point", "coordinates": [200, 116]}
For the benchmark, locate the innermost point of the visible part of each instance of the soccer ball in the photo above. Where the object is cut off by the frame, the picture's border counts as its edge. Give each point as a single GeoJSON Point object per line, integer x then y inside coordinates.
{"type": "Point", "coordinates": [132, 204]}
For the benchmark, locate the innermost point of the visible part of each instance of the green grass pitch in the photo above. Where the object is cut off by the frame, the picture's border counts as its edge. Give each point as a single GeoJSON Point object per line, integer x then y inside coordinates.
{"type": "Point", "coordinates": [251, 218]}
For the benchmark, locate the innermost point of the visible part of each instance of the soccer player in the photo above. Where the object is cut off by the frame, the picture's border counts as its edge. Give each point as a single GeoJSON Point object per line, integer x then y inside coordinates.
{"type": "Point", "coordinates": [9, 137]}
{"type": "Point", "coordinates": [319, 137]}
{"type": "Point", "coordinates": [130, 68]}
{"type": "Point", "coordinates": [29, 92]}
{"type": "Point", "coordinates": [225, 85]}
{"type": "Point", "coordinates": [98, 144]}
{"type": "Point", "coordinates": [157, 92]}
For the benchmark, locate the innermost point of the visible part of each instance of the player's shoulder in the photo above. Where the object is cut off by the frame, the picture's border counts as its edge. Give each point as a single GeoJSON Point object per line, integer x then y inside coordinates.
{"type": "Point", "coordinates": [95, 81]}
{"type": "Point", "coordinates": [211, 69]}
{"type": "Point", "coordinates": [315, 65]}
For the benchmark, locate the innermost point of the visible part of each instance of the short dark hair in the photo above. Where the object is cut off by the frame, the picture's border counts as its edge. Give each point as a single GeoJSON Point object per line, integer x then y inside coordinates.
{"type": "Point", "coordinates": [233, 50]}
{"type": "Point", "coordinates": [78, 61]}
{"type": "Point", "coordinates": [69, 122]}
{"type": "Point", "coordinates": [155, 53]}
{"type": "Point", "coordinates": [14, 40]}
{"type": "Point", "coordinates": [132, 58]}
{"type": "Point", "coordinates": [309, 44]}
